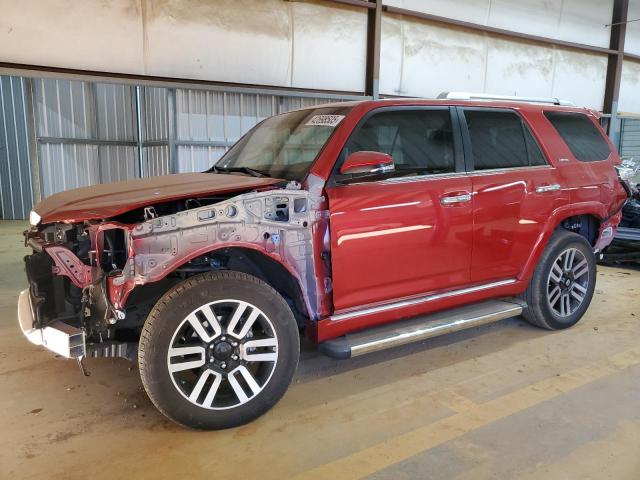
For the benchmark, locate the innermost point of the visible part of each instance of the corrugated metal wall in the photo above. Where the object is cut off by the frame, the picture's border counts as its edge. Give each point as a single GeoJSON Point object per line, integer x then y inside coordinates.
{"type": "Point", "coordinates": [630, 138]}
{"type": "Point", "coordinates": [88, 132]}
{"type": "Point", "coordinates": [157, 124]}
{"type": "Point", "coordinates": [209, 122]}
{"type": "Point", "coordinates": [16, 195]}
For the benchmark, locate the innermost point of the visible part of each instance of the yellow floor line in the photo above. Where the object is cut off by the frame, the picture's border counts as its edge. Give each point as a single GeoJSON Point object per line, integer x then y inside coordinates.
{"type": "Point", "coordinates": [453, 400]}
{"type": "Point", "coordinates": [394, 450]}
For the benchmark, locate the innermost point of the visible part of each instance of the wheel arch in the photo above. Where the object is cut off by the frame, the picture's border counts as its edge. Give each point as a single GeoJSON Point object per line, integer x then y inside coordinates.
{"type": "Point", "coordinates": [586, 225]}
{"type": "Point", "coordinates": [243, 258]}
{"type": "Point", "coordinates": [256, 263]}
{"type": "Point", "coordinates": [584, 219]}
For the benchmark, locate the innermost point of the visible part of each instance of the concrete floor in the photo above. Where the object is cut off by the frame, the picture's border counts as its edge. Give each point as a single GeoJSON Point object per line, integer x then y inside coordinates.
{"type": "Point", "coordinates": [502, 401]}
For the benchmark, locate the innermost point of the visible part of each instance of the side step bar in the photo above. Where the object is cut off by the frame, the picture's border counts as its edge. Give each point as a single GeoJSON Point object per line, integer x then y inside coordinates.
{"type": "Point", "coordinates": [421, 328]}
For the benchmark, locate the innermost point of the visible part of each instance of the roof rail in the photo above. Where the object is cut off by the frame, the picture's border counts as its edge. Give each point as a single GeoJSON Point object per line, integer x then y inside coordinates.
{"type": "Point", "coordinates": [489, 96]}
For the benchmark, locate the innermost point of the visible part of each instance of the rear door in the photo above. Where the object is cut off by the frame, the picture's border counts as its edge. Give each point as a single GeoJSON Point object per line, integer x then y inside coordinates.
{"type": "Point", "coordinates": [515, 191]}
{"type": "Point", "coordinates": [408, 232]}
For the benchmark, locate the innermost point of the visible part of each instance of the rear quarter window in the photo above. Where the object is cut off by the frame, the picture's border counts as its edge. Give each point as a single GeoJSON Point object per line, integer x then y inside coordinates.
{"type": "Point", "coordinates": [581, 136]}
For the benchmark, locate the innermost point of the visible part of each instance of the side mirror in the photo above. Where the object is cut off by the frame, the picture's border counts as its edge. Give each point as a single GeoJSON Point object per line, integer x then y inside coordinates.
{"type": "Point", "coordinates": [367, 162]}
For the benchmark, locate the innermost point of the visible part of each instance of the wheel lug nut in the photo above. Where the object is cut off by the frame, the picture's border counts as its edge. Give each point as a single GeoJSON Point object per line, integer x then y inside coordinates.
{"type": "Point", "coordinates": [234, 344]}
{"type": "Point", "coordinates": [211, 360]}
{"type": "Point", "coordinates": [223, 365]}
{"type": "Point", "coordinates": [234, 357]}
{"type": "Point", "coordinates": [223, 339]}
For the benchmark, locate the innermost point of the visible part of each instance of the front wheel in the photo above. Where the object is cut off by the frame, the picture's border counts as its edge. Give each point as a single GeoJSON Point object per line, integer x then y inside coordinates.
{"type": "Point", "coordinates": [563, 283]}
{"type": "Point", "coordinates": [218, 350]}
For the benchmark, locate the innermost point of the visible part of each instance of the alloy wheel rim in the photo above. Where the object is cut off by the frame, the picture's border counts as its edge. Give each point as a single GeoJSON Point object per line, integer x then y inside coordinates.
{"type": "Point", "coordinates": [568, 282]}
{"type": "Point", "coordinates": [223, 354]}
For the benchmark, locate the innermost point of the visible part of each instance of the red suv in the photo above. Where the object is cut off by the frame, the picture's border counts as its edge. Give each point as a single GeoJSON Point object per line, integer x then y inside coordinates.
{"type": "Point", "coordinates": [364, 225]}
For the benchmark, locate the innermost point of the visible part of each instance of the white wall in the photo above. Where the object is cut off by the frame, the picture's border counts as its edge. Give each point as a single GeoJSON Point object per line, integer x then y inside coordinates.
{"type": "Point", "coordinates": [630, 88]}
{"type": "Point", "coordinates": [632, 40]}
{"type": "Point", "coordinates": [425, 59]}
{"type": "Point", "coordinates": [316, 44]}
{"type": "Point", "coordinates": [630, 84]}
{"type": "Point", "coordinates": [272, 42]}
{"type": "Point", "coordinates": [223, 40]}
{"type": "Point", "coordinates": [90, 35]}
{"type": "Point", "coordinates": [580, 21]}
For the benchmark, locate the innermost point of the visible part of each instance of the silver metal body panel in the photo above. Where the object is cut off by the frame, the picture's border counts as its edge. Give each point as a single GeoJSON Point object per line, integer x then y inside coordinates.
{"type": "Point", "coordinates": [58, 337]}
{"type": "Point", "coordinates": [421, 328]}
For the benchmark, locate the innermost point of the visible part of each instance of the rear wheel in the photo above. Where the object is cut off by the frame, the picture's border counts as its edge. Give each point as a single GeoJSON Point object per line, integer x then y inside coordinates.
{"type": "Point", "coordinates": [563, 283]}
{"type": "Point", "coordinates": [218, 350]}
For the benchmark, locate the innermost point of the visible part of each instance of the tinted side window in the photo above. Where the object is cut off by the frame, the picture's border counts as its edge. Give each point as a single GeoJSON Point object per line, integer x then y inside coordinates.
{"type": "Point", "coordinates": [535, 154]}
{"type": "Point", "coordinates": [500, 140]}
{"type": "Point", "coordinates": [420, 141]}
{"type": "Point", "coordinates": [581, 136]}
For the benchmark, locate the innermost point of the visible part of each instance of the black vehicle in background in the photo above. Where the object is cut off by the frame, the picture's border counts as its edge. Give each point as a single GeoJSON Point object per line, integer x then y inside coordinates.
{"type": "Point", "coordinates": [625, 248]}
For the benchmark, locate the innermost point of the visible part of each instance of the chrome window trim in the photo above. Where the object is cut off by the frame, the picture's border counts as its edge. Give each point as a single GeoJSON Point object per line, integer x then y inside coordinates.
{"type": "Point", "coordinates": [416, 178]}
{"type": "Point", "coordinates": [458, 148]}
{"type": "Point", "coordinates": [362, 311]}
{"type": "Point", "coordinates": [439, 176]}
{"type": "Point", "coordinates": [511, 169]}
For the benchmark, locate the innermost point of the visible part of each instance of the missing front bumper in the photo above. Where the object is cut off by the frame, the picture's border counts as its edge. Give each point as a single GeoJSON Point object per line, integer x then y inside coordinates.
{"type": "Point", "coordinates": [58, 337]}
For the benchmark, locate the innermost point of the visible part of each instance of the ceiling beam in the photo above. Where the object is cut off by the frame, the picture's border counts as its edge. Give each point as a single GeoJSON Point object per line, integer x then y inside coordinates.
{"type": "Point", "coordinates": [372, 71]}
{"type": "Point", "coordinates": [614, 62]}
{"type": "Point", "coordinates": [614, 67]}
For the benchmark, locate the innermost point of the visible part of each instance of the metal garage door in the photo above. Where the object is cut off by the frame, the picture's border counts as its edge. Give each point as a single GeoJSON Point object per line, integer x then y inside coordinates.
{"type": "Point", "coordinates": [86, 133]}
{"type": "Point", "coordinates": [16, 196]}
{"type": "Point", "coordinates": [630, 138]}
{"type": "Point", "coordinates": [76, 133]}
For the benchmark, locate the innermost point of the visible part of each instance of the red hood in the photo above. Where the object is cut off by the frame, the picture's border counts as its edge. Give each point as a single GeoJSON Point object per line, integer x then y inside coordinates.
{"type": "Point", "coordinates": [111, 199]}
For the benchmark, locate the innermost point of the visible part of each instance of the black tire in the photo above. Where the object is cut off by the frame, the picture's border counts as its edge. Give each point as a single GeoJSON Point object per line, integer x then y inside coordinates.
{"type": "Point", "coordinates": [168, 319]}
{"type": "Point", "coordinates": [539, 312]}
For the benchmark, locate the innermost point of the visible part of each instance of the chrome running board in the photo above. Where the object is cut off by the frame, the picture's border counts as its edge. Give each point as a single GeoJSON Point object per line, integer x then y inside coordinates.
{"type": "Point", "coordinates": [409, 302]}
{"type": "Point", "coordinates": [421, 328]}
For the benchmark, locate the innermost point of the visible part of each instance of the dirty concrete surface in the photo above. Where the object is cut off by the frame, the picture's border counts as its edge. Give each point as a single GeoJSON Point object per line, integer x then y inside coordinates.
{"type": "Point", "coordinates": [502, 401]}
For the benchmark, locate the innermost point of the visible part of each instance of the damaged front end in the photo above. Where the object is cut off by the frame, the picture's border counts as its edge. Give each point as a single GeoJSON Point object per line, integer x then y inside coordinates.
{"type": "Point", "coordinates": [66, 307]}
{"type": "Point", "coordinates": [92, 283]}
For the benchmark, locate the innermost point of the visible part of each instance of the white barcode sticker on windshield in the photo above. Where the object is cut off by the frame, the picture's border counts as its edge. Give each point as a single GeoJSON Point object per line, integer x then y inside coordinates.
{"type": "Point", "coordinates": [325, 120]}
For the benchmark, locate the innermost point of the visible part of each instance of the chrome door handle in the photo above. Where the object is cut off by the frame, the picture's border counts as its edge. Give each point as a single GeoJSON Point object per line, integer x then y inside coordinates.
{"type": "Point", "coordinates": [455, 199]}
{"type": "Point", "coordinates": [548, 188]}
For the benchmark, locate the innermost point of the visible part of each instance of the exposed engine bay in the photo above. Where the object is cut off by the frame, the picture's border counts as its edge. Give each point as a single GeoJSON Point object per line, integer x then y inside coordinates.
{"type": "Point", "coordinates": [103, 277]}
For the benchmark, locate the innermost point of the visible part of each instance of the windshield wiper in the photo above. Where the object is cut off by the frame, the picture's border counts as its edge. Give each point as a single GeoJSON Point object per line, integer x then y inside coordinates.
{"type": "Point", "coordinates": [249, 171]}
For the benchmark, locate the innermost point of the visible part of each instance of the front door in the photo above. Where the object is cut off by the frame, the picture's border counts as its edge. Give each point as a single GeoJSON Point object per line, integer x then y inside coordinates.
{"type": "Point", "coordinates": [407, 232]}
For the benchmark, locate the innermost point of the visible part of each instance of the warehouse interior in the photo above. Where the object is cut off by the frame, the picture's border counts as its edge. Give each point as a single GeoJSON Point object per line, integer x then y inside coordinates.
{"type": "Point", "coordinates": [93, 92]}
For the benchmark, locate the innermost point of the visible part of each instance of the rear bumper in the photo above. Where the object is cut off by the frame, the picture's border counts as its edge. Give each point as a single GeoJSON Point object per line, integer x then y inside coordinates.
{"type": "Point", "coordinates": [607, 232]}
{"type": "Point", "coordinates": [58, 337]}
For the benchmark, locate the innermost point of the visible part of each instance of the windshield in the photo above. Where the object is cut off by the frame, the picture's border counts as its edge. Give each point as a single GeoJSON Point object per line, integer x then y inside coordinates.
{"type": "Point", "coordinates": [284, 146]}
